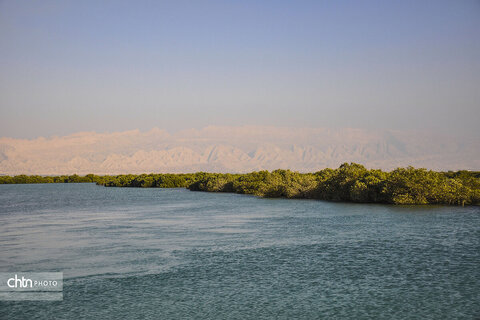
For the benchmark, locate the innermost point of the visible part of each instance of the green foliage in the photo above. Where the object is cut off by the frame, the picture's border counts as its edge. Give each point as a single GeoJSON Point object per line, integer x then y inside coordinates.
{"type": "Point", "coordinates": [24, 179]}
{"type": "Point", "coordinates": [148, 180]}
{"type": "Point", "coordinates": [350, 182]}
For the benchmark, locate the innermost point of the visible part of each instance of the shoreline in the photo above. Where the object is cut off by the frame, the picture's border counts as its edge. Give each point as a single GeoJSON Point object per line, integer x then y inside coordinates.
{"type": "Point", "coordinates": [351, 183]}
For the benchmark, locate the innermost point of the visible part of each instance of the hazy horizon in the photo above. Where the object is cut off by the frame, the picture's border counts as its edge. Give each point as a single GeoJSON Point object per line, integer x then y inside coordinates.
{"type": "Point", "coordinates": [183, 130]}
{"type": "Point", "coordinates": [113, 66]}
{"type": "Point", "coordinates": [235, 149]}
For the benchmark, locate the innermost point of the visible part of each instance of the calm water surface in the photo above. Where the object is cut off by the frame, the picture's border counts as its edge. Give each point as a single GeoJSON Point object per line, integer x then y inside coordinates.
{"type": "Point", "coordinates": [175, 254]}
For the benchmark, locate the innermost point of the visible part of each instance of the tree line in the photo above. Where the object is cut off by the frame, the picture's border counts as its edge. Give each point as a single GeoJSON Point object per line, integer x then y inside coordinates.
{"type": "Point", "coordinates": [24, 179]}
{"type": "Point", "coordinates": [349, 183]}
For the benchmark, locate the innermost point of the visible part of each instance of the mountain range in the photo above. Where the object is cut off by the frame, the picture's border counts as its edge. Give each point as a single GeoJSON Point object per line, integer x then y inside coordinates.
{"type": "Point", "coordinates": [234, 149]}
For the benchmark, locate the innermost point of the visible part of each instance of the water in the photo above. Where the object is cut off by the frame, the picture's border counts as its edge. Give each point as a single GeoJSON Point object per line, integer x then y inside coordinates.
{"type": "Point", "coordinates": [175, 254]}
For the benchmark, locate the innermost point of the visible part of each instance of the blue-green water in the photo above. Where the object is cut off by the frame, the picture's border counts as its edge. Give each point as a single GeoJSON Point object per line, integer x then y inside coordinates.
{"type": "Point", "coordinates": [175, 254]}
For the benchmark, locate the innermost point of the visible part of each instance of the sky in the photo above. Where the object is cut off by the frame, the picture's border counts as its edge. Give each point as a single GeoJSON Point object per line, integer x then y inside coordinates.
{"type": "Point", "coordinates": [70, 66]}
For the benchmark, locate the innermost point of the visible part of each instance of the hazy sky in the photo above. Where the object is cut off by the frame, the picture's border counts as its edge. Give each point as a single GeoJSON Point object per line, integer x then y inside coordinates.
{"type": "Point", "coordinates": [68, 66]}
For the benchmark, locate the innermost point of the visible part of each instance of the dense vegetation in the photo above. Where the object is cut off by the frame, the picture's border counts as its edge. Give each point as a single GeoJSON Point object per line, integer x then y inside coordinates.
{"type": "Point", "coordinates": [353, 183]}
{"type": "Point", "coordinates": [350, 182]}
{"type": "Point", "coordinates": [23, 179]}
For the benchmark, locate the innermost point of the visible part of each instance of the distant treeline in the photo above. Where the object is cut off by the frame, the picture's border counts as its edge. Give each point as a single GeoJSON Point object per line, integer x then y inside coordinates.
{"type": "Point", "coordinates": [349, 183]}
{"type": "Point", "coordinates": [23, 179]}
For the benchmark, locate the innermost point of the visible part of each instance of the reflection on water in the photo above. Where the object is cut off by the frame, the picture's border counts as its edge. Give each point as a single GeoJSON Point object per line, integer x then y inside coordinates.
{"type": "Point", "coordinates": [172, 253]}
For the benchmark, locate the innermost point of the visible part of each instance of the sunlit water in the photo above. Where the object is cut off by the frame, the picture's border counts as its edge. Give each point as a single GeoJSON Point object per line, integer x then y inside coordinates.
{"type": "Point", "coordinates": [174, 254]}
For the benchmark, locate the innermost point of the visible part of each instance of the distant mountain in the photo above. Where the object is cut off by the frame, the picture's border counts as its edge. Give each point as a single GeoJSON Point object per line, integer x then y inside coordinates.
{"type": "Point", "coordinates": [234, 149]}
